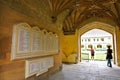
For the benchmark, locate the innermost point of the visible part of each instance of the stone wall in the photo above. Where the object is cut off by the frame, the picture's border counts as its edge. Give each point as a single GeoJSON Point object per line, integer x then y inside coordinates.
{"type": "Point", "coordinates": [15, 70]}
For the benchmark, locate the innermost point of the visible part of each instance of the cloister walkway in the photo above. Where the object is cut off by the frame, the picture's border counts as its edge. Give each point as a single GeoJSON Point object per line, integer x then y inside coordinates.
{"type": "Point", "coordinates": [92, 70]}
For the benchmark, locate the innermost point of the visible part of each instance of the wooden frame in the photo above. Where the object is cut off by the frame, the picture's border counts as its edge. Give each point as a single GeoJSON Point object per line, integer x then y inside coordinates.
{"type": "Point", "coordinates": [36, 40]}
{"type": "Point", "coordinates": [20, 31]}
{"type": "Point", "coordinates": [55, 43]}
{"type": "Point", "coordinates": [38, 66]}
{"type": "Point", "coordinates": [32, 42]}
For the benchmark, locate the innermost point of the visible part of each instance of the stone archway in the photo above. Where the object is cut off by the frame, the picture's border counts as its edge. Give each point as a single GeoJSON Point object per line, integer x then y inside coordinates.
{"type": "Point", "coordinates": [98, 25]}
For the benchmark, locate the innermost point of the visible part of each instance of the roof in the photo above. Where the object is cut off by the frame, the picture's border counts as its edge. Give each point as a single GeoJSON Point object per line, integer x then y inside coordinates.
{"type": "Point", "coordinates": [96, 33]}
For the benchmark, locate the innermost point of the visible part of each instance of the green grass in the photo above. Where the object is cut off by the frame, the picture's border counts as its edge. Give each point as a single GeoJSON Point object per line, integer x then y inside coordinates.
{"type": "Point", "coordinates": [98, 56]}
{"type": "Point", "coordinates": [85, 56]}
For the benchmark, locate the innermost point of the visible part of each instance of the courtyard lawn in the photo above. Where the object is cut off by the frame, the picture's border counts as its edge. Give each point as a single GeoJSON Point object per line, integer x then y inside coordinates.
{"type": "Point", "coordinates": [85, 56]}
{"type": "Point", "coordinates": [98, 56]}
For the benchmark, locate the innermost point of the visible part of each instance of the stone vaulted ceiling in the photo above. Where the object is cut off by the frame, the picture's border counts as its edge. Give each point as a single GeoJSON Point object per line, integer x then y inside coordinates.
{"type": "Point", "coordinates": [70, 13]}
{"type": "Point", "coordinates": [81, 10]}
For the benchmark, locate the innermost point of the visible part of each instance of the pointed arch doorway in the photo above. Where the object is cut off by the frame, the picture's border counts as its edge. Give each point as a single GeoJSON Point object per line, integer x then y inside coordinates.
{"type": "Point", "coordinates": [99, 40]}
{"type": "Point", "coordinates": [97, 25]}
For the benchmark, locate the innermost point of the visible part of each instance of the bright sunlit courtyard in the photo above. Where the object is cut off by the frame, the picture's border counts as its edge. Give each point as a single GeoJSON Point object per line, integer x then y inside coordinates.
{"type": "Point", "coordinates": [99, 40]}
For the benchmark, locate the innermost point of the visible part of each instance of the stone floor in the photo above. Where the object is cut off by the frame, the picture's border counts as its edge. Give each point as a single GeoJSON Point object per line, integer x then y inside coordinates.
{"type": "Point", "coordinates": [92, 70]}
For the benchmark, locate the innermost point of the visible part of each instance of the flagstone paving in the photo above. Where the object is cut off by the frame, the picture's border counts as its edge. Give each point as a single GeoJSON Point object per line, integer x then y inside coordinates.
{"type": "Point", "coordinates": [92, 70]}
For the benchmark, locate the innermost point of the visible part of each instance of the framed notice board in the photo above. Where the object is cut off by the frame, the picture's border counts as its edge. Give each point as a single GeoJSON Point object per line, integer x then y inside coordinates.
{"type": "Point", "coordinates": [30, 41]}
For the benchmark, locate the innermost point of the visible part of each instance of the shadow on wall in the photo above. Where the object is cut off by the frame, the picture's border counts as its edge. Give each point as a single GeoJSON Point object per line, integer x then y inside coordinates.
{"type": "Point", "coordinates": [4, 47]}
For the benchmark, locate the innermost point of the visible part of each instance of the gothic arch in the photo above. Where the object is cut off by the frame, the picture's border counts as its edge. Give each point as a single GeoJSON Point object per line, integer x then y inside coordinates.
{"type": "Point", "coordinates": [110, 28]}
{"type": "Point", "coordinates": [99, 20]}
